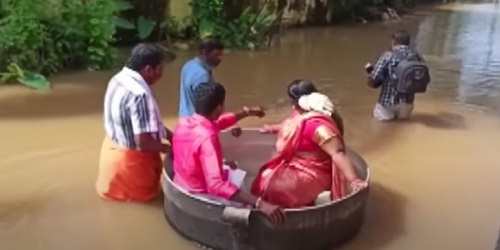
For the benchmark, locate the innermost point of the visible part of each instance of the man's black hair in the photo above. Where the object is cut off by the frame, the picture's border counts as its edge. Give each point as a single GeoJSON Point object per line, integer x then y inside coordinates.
{"type": "Point", "coordinates": [401, 37]}
{"type": "Point", "coordinates": [207, 96]}
{"type": "Point", "coordinates": [145, 54]}
{"type": "Point", "coordinates": [210, 45]}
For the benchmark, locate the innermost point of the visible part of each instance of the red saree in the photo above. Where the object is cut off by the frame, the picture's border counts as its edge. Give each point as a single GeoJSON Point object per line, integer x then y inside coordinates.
{"type": "Point", "coordinates": [294, 177]}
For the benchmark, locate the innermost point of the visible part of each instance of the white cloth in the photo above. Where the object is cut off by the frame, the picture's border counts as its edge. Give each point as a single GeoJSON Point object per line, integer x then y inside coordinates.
{"type": "Point", "coordinates": [237, 177]}
{"type": "Point", "coordinates": [398, 111]}
{"type": "Point", "coordinates": [323, 198]}
{"type": "Point", "coordinates": [317, 102]}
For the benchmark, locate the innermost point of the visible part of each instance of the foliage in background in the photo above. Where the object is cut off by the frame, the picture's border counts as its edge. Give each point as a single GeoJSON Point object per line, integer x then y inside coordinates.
{"type": "Point", "coordinates": [141, 20]}
{"type": "Point", "coordinates": [179, 29]}
{"type": "Point", "coordinates": [45, 36]}
{"type": "Point", "coordinates": [16, 74]}
{"type": "Point", "coordinates": [141, 25]}
{"type": "Point", "coordinates": [344, 9]}
{"type": "Point", "coordinates": [251, 29]}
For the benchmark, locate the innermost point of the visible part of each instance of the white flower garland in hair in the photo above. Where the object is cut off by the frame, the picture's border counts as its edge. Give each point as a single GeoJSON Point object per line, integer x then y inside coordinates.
{"type": "Point", "coordinates": [317, 102]}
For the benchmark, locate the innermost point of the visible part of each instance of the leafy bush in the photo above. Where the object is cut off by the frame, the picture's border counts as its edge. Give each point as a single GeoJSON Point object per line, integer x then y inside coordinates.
{"type": "Point", "coordinates": [143, 26]}
{"type": "Point", "coordinates": [176, 28]}
{"type": "Point", "coordinates": [30, 79]}
{"type": "Point", "coordinates": [140, 20]}
{"type": "Point", "coordinates": [250, 29]}
{"type": "Point", "coordinates": [46, 35]}
{"type": "Point", "coordinates": [25, 38]}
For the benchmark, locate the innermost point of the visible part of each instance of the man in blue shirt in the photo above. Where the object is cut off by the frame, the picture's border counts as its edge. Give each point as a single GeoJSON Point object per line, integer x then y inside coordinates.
{"type": "Point", "coordinates": [197, 71]}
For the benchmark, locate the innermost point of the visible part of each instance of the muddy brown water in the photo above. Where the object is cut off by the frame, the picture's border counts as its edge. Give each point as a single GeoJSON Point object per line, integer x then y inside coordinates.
{"type": "Point", "coordinates": [436, 177]}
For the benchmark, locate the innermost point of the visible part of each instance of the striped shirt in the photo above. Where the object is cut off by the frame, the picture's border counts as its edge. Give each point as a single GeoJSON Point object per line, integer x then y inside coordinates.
{"type": "Point", "coordinates": [130, 109]}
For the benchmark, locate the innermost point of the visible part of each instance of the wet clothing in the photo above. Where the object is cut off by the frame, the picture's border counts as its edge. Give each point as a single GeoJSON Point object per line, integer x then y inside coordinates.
{"type": "Point", "coordinates": [383, 69]}
{"type": "Point", "coordinates": [128, 174]}
{"type": "Point", "coordinates": [398, 111]}
{"type": "Point", "coordinates": [130, 109]}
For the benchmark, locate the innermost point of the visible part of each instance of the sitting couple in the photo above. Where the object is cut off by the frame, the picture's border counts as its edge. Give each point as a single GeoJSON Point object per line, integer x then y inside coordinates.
{"type": "Point", "coordinates": [311, 156]}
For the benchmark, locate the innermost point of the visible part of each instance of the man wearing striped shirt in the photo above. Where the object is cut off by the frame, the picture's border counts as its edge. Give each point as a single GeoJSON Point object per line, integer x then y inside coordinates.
{"type": "Point", "coordinates": [130, 162]}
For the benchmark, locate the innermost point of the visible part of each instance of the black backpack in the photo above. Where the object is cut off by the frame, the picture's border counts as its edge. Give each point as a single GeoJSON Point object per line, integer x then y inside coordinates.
{"type": "Point", "coordinates": [411, 75]}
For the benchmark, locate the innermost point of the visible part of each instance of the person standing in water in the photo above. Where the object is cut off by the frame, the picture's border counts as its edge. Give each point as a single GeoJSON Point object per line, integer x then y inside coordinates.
{"type": "Point", "coordinates": [391, 72]}
{"type": "Point", "coordinates": [130, 163]}
{"type": "Point", "coordinates": [198, 71]}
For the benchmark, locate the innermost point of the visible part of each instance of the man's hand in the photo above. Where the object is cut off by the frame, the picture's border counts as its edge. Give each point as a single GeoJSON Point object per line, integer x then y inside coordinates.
{"type": "Point", "coordinates": [148, 143]}
{"type": "Point", "coordinates": [250, 111]}
{"type": "Point", "coordinates": [236, 131]}
{"type": "Point", "coordinates": [274, 213]}
{"type": "Point", "coordinates": [231, 164]}
{"type": "Point", "coordinates": [254, 111]}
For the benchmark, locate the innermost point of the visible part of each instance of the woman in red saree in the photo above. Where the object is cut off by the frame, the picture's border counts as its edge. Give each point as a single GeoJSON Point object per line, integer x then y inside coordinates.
{"type": "Point", "coordinates": [310, 155]}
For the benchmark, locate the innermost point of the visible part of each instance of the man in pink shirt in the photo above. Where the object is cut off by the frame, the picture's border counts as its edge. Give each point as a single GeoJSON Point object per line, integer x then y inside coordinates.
{"type": "Point", "coordinates": [198, 158]}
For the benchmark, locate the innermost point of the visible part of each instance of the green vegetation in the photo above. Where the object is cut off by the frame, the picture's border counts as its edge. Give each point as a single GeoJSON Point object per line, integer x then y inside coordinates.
{"type": "Point", "coordinates": [142, 26]}
{"type": "Point", "coordinates": [250, 29]}
{"type": "Point", "coordinates": [30, 79]}
{"type": "Point", "coordinates": [45, 36]}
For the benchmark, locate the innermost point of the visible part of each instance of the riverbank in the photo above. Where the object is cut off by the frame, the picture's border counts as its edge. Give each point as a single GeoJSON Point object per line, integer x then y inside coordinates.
{"type": "Point", "coordinates": [304, 14]}
{"type": "Point", "coordinates": [433, 176]}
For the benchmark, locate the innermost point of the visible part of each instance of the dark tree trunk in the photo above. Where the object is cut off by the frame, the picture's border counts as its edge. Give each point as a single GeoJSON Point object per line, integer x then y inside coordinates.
{"type": "Point", "coordinates": [151, 9]}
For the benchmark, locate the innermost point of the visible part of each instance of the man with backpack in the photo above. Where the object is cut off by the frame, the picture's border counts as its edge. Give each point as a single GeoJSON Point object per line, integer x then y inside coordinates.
{"type": "Point", "coordinates": [400, 73]}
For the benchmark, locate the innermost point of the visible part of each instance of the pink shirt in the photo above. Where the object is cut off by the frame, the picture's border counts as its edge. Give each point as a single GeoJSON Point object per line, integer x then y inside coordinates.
{"type": "Point", "coordinates": [198, 155]}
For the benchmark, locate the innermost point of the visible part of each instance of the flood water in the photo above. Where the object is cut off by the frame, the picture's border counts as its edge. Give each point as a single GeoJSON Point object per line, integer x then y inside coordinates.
{"type": "Point", "coordinates": [435, 178]}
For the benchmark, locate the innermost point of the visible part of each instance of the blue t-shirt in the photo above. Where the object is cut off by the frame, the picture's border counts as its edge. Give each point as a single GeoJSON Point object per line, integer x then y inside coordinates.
{"type": "Point", "coordinates": [193, 73]}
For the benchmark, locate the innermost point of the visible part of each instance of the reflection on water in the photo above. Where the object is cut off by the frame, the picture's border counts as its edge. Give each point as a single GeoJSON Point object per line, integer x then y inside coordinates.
{"type": "Point", "coordinates": [434, 176]}
{"type": "Point", "coordinates": [468, 56]}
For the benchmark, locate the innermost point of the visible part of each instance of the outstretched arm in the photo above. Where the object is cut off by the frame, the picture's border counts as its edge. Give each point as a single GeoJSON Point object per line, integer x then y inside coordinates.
{"type": "Point", "coordinates": [380, 71]}
{"type": "Point", "coordinates": [229, 119]}
{"type": "Point", "coordinates": [332, 145]}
